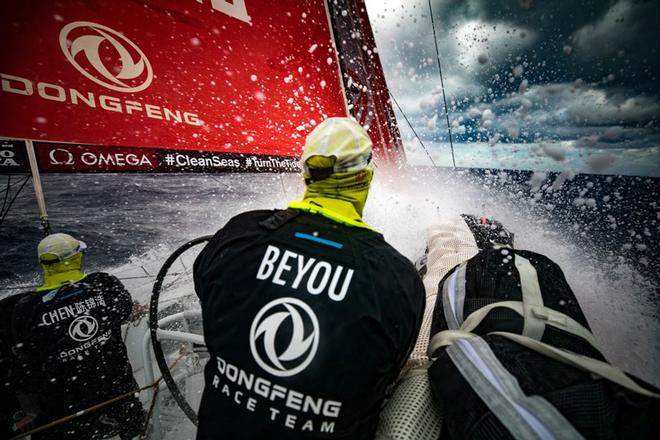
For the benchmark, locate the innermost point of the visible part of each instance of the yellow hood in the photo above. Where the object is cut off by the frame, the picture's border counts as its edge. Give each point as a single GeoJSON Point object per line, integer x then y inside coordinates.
{"type": "Point", "coordinates": [61, 273]}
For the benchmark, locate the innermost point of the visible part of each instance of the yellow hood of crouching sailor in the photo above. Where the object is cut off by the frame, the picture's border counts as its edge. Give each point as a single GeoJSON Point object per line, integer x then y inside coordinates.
{"type": "Point", "coordinates": [62, 272]}
{"type": "Point", "coordinates": [340, 197]}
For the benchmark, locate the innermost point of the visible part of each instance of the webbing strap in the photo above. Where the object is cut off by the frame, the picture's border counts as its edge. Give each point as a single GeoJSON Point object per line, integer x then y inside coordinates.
{"type": "Point", "coordinates": [460, 292]}
{"type": "Point", "coordinates": [585, 363]}
{"type": "Point", "coordinates": [447, 308]}
{"type": "Point", "coordinates": [278, 219]}
{"type": "Point", "coordinates": [549, 316]}
{"type": "Point", "coordinates": [446, 338]}
{"type": "Point", "coordinates": [531, 296]}
{"type": "Point", "coordinates": [594, 366]}
{"type": "Point", "coordinates": [453, 297]}
{"type": "Point", "coordinates": [328, 213]}
{"type": "Point", "coordinates": [526, 417]}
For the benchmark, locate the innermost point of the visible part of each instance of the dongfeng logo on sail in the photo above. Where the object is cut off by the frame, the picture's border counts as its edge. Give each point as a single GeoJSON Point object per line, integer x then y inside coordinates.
{"type": "Point", "coordinates": [88, 47]}
{"type": "Point", "coordinates": [90, 43]}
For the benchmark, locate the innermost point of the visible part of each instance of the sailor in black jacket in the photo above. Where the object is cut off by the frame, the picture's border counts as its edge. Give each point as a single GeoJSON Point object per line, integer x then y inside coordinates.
{"type": "Point", "coordinates": [10, 372]}
{"type": "Point", "coordinates": [68, 334]}
{"type": "Point", "coordinates": [309, 315]}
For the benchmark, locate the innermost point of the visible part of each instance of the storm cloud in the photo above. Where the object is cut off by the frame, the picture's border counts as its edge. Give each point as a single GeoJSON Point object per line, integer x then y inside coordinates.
{"type": "Point", "coordinates": [528, 84]}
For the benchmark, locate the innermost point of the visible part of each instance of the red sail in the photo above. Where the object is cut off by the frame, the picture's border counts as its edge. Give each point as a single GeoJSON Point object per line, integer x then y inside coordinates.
{"type": "Point", "coordinates": [201, 85]}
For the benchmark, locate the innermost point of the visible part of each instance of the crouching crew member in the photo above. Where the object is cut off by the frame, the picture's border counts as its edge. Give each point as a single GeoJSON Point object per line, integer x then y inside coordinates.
{"type": "Point", "coordinates": [309, 315]}
{"type": "Point", "coordinates": [513, 356]}
{"type": "Point", "coordinates": [69, 333]}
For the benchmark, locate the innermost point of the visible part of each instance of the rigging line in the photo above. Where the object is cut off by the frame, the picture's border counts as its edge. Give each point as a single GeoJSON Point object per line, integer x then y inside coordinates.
{"type": "Point", "coordinates": [154, 400]}
{"type": "Point", "coordinates": [18, 287]}
{"type": "Point", "coordinates": [13, 184]}
{"type": "Point", "coordinates": [212, 177]}
{"type": "Point", "coordinates": [413, 130]}
{"type": "Point", "coordinates": [442, 84]}
{"type": "Point", "coordinates": [175, 280]}
{"type": "Point", "coordinates": [96, 407]}
{"type": "Point", "coordinates": [13, 200]}
{"type": "Point", "coordinates": [88, 410]}
{"type": "Point", "coordinates": [282, 182]}
{"type": "Point", "coordinates": [145, 271]}
{"type": "Point", "coordinates": [34, 286]}
{"type": "Point", "coordinates": [139, 277]}
{"type": "Point", "coordinates": [4, 202]}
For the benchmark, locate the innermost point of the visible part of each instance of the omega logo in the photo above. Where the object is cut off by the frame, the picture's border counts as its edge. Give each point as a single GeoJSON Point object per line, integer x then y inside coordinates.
{"type": "Point", "coordinates": [65, 157]}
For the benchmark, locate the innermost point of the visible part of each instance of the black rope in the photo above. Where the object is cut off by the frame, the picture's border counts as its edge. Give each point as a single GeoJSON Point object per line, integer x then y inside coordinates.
{"type": "Point", "coordinates": [442, 84]}
{"type": "Point", "coordinates": [13, 200]}
{"type": "Point", "coordinates": [413, 130]}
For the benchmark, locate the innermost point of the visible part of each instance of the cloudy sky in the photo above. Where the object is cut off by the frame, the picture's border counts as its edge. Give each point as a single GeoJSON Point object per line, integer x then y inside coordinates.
{"type": "Point", "coordinates": [544, 85]}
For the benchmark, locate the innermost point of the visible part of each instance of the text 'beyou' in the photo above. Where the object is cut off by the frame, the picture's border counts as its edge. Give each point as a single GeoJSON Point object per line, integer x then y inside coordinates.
{"type": "Point", "coordinates": [316, 275]}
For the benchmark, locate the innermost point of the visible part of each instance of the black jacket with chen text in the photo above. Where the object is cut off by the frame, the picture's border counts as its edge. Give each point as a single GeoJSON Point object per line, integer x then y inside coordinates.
{"type": "Point", "coordinates": [70, 341]}
{"type": "Point", "coordinates": [307, 321]}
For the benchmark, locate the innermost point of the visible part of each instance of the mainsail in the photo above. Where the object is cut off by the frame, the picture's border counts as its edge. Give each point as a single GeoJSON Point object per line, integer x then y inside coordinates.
{"type": "Point", "coordinates": [195, 86]}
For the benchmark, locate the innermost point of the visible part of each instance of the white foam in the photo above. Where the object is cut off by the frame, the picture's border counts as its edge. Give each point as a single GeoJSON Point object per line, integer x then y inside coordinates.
{"type": "Point", "coordinates": [613, 295]}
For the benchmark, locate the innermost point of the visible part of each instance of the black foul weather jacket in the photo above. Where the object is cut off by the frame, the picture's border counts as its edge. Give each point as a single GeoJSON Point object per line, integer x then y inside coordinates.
{"type": "Point", "coordinates": [70, 341]}
{"type": "Point", "coordinates": [307, 321]}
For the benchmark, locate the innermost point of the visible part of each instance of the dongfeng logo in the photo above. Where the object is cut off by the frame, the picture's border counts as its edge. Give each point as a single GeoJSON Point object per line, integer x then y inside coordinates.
{"type": "Point", "coordinates": [83, 328]}
{"type": "Point", "coordinates": [110, 59]}
{"type": "Point", "coordinates": [284, 336]}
